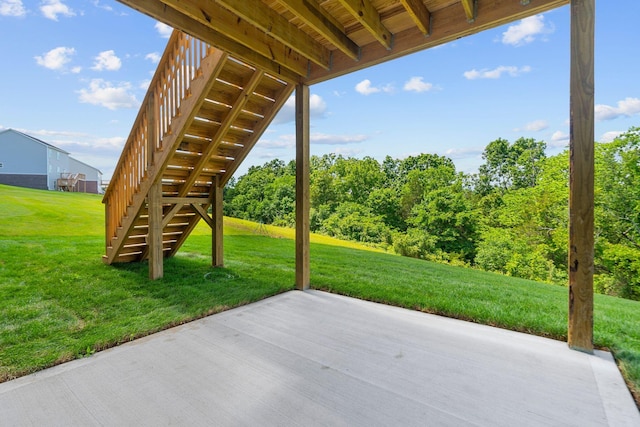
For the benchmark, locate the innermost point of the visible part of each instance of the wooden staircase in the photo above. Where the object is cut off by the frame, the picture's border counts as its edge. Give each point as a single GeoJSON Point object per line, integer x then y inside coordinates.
{"type": "Point", "coordinates": [202, 114]}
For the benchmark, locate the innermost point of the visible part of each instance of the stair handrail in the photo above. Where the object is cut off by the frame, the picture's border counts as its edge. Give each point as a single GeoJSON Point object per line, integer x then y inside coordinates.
{"type": "Point", "coordinates": [179, 66]}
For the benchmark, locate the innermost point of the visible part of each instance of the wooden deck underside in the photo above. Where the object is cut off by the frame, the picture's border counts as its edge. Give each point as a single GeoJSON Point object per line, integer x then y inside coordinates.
{"type": "Point", "coordinates": [311, 358]}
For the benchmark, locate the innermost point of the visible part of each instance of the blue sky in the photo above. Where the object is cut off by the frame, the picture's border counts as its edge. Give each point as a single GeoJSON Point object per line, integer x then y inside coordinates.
{"type": "Point", "coordinates": [74, 73]}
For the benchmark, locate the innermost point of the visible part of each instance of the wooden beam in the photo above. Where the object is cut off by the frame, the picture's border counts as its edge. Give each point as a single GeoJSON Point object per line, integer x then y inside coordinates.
{"type": "Point", "coordinates": [581, 170]}
{"type": "Point", "coordinates": [217, 240]}
{"type": "Point", "coordinates": [275, 25]}
{"type": "Point", "coordinates": [469, 9]}
{"type": "Point", "coordinates": [302, 187]}
{"type": "Point", "coordinates": [206, 33]}
{"type": "Point", "coordinates": [369, 17]}
{"type": "Point", "coordinates": [446, 26]}
{"type": "Point", "coordinates": [154, 238]}
{"type": "Point", "coordinates": [320, 20]}
{"type": "Point", "coordinates": [203, 213]}
{"type": "Point", "coordinates": [420, 15]}
{"type": "Point", "coordinates": [226, 22]}
{"type": "Point", "coordinates": [185, 200]}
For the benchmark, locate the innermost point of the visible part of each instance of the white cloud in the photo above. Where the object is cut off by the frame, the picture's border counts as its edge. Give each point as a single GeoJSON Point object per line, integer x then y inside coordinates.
{"type": "Point", "coordinates": [317, 107]}
{"type": "Point", "coordinates": [416, 84]}
{"type": "Point", "coordinates": [610, 136]}
{"type": "Point", "coordinates": [154, 57]}
{"type": "Point", "coordinates": [559, 136]}
{"type": "Point", "coordinates": [99, 5]}
{"type": "Point", "coordinates": [627, 107]}
{"type": "Point", "coordinates": [283, 141]}
{"type": "Point", "coordinates": [115, 142]}
{"type": "Point", "coordinates": [365, 88]}
{"type": "Point", "coordinates": [56, 58]}
{"type": "Point", "coordinates": [107, 60]}
{"type": "Point", "coordinates": [526, 31]}
{"type": "Point", "coordinates": [52, 8]}
{"type": "Point", "coordinates": [327, 139]}
{"type": "Point", "coordinates": [288, 141]}
{"type": "Point", "coordinates": [77, 140]}
{"type": "Point", "coordinates": [534, 126]}
{"type": "Point", "coordinates": [347, 151]}
{"type": "Point", "coordinates": [464, 153]}
{"type": "Point", "coordinates": [164, 30]}
{"type": "Point", "coordinates": [559, 139]}
{"type": "Point", "coordinates": [12, 8]}
{"type": "Point", "coordinates": [104, 93]}
{"type": "Point", "coordinates": [496, 73]}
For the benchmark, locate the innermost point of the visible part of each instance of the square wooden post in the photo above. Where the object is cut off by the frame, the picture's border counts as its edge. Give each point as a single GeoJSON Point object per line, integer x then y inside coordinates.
{"type": "Point", "coordinates": [154, 238]}
{"type": "Point", "coordinates": [302, 187]}
{"type": "Point", "coordinates": [217, 248]}
{"type": "Point", "coordinates": [581, 198]}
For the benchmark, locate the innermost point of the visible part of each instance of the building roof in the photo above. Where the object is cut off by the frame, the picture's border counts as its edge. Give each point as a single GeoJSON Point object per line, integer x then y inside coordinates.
{"type": "Point", "coordinates": [49, 146]}
{"type": "Point", "coordinates": [34, 139]}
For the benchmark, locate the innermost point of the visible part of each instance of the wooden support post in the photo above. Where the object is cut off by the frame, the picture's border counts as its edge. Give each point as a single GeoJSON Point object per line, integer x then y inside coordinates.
{"type": "Point", "coordinates": [154, 238]}
{"type": "Point", "coordinates": [217, 248]}
{"type": "Point", "coordinates": [302, 187]}
{"type": "Point", "coordinates": [581, 199]}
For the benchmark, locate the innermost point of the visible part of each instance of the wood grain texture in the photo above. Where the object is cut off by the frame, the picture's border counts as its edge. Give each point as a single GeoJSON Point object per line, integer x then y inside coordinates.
{"type": "Point", "coordinates": [217, 244]}
{"type": "Point", "coordinates": [302, 187]}
{"type": "Point", "coordinates": [368, 16]}
{"type": "Point", "coordinates": [581, 193]}
{"type": "Point", "coordinates": [420, 15]}
{"type": "Point", "coordinates": [275, 25]}
{"type": "Point", "coordinates": [154, 239]}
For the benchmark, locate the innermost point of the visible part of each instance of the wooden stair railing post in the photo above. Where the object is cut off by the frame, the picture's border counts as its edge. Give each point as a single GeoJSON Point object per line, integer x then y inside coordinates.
{"type": "Point", "coordinates": [217, 248]}
{"type": "Point", "coordinates": [581, 181]}
{"type": "Point", "coordinates": [302, 187]}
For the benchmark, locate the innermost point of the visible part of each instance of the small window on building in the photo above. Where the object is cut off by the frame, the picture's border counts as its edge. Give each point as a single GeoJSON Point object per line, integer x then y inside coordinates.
{"type": "Point", "coordinates": [57, 155]}
{"type": "Point", "coordinates": [1, 165]}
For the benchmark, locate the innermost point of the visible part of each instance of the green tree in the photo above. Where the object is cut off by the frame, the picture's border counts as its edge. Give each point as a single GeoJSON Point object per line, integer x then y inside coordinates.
{"type": "Point", "coordinates": [358, 177]}
{"type": "Point", "coordinates": [510, 166]}
{"type": "Point", "coordinates": [617, 216]}
{"type": "Point", "coordinates": [353, 221]}
{"type": "Point", "coordinates": [527, 233]}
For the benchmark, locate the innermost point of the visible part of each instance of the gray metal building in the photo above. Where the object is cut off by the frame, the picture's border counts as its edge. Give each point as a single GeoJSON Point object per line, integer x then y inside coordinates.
{"type": "Point", "coordinates": [29, 162]}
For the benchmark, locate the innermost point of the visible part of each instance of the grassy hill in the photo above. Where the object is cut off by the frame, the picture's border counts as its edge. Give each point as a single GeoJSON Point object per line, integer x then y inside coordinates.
{"type": "Point", "coordinates": [58, 301]}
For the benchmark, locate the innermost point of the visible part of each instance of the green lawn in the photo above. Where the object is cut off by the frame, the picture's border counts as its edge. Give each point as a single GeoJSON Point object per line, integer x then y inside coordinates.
{"type": "Point", "coordinates": [58, 301]}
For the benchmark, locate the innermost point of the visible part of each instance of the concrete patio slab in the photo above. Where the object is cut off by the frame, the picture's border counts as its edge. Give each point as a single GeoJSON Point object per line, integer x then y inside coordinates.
{"type": "Point", "coordinates": [313, 358]}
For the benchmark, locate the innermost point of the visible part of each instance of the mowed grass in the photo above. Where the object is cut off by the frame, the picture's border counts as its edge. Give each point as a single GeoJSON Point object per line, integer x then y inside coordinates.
{"type": "Point", "coordinates": [58, 301]}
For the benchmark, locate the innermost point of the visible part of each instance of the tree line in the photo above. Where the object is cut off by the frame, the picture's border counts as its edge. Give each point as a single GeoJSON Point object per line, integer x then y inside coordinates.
{"type": "Point", "coordinates": [511, 217]}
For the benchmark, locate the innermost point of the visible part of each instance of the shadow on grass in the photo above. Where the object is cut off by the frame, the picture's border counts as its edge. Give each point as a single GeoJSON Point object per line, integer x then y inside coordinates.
{"type": "Point", "coordinates": [193, 288]}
